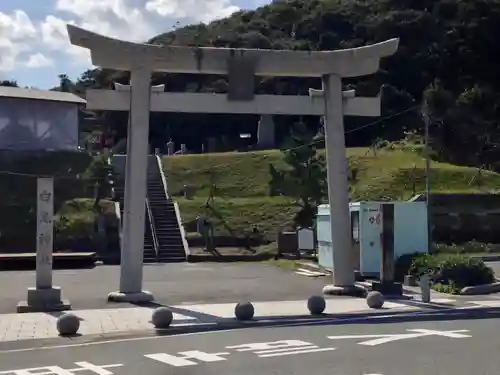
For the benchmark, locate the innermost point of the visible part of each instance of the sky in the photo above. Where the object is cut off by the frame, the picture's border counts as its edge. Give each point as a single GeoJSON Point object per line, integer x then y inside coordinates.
{"type": "Point", "coordinates": [34, 46]}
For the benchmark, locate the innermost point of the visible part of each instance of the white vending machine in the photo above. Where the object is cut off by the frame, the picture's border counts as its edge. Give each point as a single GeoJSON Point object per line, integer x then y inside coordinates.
{"type": "Point", "coordinates": [403, 233]}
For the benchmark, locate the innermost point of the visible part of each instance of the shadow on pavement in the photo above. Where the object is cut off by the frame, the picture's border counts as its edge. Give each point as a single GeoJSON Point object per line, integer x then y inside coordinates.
{"type": "Point", "coordinates": [201, 317]}
{"type": "Point", "coordinates": [406, 317]}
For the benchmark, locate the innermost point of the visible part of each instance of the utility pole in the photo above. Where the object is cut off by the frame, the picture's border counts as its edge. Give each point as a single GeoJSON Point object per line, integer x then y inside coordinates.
{"type": "Point", "coordinates": [427, 152]}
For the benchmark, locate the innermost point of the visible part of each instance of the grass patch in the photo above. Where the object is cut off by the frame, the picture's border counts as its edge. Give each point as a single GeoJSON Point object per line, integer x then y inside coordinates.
{"type": "Point", "coordinates": [472, 247]}
{"type": "Point", "coordinates": [390, 174]}
{"type": "Point", "coordinates": [268, 214]}
{"type": "Point", "coordinates": [242, 180]}
{"type": "Point", "coordinates": [287, 264]}
{"type": "Point", "coordinates": [236, 174]}
{"type": "Point", "coordinates": [443, 288]}
{"type": "Point", "coordinates": [76, 218]}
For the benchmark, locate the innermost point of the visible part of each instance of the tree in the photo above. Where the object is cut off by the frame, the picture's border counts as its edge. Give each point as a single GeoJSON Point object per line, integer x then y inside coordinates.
{"type": "Point", "coordinates": [65, 84]}
{"type": "Point", "coordinates": [449, 41]}
{"type": "Point", "coordinates": [8, 83]}
{"type": "Point", "coordinates": [99, 175]}
{"type": "Point", "coordinates": [303, 179]}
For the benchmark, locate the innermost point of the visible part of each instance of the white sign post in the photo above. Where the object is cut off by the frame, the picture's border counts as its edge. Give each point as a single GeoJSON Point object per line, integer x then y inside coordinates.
{"type": "Point", "coordinates": [44, 297]}
{"type": "Point", "coordinates": [44, 232]}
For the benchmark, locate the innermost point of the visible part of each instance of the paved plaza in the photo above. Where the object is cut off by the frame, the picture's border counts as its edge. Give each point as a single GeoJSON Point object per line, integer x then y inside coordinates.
{"type": "Point", "coordinates": [171, 284]}
{"type": "Point", "coordinates": [199, 294]}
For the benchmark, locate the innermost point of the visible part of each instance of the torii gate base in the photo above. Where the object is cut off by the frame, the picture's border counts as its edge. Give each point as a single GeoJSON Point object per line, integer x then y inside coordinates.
{"type": "Point", "coordinates": [241, 66]}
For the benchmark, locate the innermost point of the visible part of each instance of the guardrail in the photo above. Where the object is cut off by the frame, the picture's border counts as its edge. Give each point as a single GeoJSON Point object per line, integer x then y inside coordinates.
{"type": "Point", "coordinates": [156, 246]}
{"type": "Point", "coordinates": [181, 228]}
{"type": "Point", "coordinates": [162, 175]}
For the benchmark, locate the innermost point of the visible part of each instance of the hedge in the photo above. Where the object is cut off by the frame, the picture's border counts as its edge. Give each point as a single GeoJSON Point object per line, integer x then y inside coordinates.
{"type": "Point", "coordinates": [448, 272]}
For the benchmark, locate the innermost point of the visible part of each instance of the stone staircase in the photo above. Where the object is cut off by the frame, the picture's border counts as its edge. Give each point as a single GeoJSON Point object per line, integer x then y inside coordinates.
{"type": "Point", "coordinates": [168, 234]}
{"type": "Point", "coordinates": [163, 240]}
{"type": "Point", "coordinates": [149, 250]}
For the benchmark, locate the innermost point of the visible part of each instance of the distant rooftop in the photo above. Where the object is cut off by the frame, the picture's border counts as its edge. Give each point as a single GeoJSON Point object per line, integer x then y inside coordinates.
{"type": "Point", "coordinates": [33, 94]}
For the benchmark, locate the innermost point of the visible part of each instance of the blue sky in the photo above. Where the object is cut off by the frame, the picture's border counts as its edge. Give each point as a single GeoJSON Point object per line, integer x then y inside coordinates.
{"type": "Point", "coordinates": [33, 44]}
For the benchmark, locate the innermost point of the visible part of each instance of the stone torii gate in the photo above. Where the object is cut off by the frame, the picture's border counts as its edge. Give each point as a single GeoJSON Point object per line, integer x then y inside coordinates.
{"type": "Point", "coordinates": [241, 66]}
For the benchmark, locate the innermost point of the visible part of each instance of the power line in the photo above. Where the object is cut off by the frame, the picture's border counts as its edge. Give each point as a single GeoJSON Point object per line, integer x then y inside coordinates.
{"type": "Point", "coordinates": [211, 168]}
{"type": "Point", "coordinates": [319, 141]}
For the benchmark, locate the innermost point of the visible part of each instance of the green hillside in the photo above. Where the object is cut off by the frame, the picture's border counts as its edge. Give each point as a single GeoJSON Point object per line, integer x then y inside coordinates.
{"type": "Point", "coordinates": [241, 181]}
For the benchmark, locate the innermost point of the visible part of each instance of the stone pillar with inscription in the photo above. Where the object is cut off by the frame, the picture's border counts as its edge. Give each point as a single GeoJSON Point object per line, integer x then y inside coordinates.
{"type": "Point", "coordinates": [44, 296]}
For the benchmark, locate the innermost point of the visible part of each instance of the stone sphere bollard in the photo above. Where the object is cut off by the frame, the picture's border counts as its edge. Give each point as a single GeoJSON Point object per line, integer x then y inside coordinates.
{"type": "Point", "coordinates": [68, 324]}
{"type": "Point", "coordinates": [162, 317]}
{"type": "Point", "coordinates": [375, 300]}
{"type": "Point", "coordinates": [316, 305]}
{"type": "Point", "coordinates": [244, 311]}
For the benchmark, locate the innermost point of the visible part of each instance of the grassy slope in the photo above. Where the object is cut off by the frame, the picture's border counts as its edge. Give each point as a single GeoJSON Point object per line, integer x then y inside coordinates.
{"type": "Point", "coordinates": [242, 183]}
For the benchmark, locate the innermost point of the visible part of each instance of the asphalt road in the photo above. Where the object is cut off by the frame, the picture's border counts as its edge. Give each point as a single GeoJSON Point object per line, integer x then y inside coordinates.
{"type": "Point", "coordinates": [453, 347]}
{"type": "Point", "coordinates": [171, 284]}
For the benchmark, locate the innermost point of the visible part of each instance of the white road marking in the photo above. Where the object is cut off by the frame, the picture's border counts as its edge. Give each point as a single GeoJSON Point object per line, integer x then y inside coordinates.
{"type": "Point", "coordinates": [302, 351]}
{"type": "Point", "coordinates": [56, 370]}
{"type": "Point", "coordinates": [279, 348]}
{"type": "Point", "coordinates": [269, 346]}
{"type": "Point", "coordinates": [185, 358]}
{"type": "Point", "coordinates": [417, 333]}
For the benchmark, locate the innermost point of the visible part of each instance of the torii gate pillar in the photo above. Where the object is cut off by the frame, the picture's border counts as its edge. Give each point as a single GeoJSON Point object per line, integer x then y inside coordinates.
{"type": "Point", "coordinates": [132, 244]}
{"type": "Point", "coordinates": [338, 190]}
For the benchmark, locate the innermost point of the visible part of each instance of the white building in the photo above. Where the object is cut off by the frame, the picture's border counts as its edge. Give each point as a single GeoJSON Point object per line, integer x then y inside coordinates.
{"type": "Point", "coordinates": [38, 120]}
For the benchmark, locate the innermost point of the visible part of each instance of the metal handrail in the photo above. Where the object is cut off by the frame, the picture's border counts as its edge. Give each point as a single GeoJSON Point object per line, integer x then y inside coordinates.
{"type": "Point", "coordinates": [156, 246]}
{"type": "Point", "coordinates": [159, 164]}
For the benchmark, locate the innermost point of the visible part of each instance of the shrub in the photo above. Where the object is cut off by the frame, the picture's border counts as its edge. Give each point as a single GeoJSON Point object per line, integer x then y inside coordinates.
{"type": "Point", "coordinates": [403, 265]}
{"type": "Point", "coordinates": [452, 270]}
{"type": "Point", "coordinates": [460, 271]}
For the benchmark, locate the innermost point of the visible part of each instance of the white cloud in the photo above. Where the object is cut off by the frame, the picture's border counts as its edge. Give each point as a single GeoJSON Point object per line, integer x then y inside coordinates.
{"type": "Point", "coordinates": [15, 30]}
{"type": "Point", "coordinates": [55, 38]}
{"type": "Point", "coordinates": [38, 60]}
{"type": "Point", "coordinates": [197, 10]}
{"type": "Point", "coordinates": [33, 44]}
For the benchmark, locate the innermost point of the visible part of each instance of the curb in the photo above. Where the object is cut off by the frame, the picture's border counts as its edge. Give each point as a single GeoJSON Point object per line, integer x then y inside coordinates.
{"type": "Point", "coordinates": [348, 318]}
{"type": "Point", "coordinates": [480, 289]}
{"type": "Point", "coordinates": [487, 258]}
{"type": "Point", "coordinates": [183, 329]}
{"type": "Point", "coordinates": [197, 258]}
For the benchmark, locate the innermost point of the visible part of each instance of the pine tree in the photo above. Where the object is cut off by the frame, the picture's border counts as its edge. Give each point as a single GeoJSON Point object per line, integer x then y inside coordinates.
{"type": "Point", "coordinates": [303, 179]}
